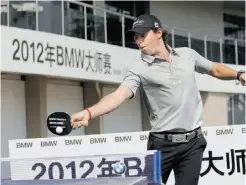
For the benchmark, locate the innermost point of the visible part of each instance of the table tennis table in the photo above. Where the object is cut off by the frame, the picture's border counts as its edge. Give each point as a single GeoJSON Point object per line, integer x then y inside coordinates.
{"type": "Point", "coordinates": [98, 181]}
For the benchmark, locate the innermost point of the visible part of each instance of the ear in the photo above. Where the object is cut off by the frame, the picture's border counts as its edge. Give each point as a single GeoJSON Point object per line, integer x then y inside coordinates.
{"type": "Point", "coordinates": [159, 33]}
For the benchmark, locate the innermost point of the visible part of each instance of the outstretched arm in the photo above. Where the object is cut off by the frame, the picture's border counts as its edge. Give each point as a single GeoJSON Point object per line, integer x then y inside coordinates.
{"type": "Point", "coordinates": [215, 69]}
{"type": "Point", "coordinates": [221, 71]}
{"type": "Point", "coordinates": [108, 103]}
{"type": "Point", "coordinates": [111, 101]}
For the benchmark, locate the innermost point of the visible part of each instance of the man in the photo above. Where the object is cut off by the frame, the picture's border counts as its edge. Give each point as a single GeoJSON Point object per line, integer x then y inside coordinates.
{"type": "Point", "coordinates": [166, 78]}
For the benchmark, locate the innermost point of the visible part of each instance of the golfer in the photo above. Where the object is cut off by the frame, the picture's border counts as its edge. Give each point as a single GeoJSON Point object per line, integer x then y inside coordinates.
{"type": "Point", "coordinates": [165, 77]}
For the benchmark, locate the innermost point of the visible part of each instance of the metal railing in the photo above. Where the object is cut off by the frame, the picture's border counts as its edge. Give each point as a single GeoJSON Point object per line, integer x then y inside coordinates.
{"type": "Point", "coordinates": [85, 21]}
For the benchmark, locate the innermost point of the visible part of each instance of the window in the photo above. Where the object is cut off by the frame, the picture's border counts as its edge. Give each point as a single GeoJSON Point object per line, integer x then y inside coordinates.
{"type": "Point", "coordinates": [114, 30]}
{"type": "Point", "coordinates": [23, 14]}
{"type": "Point", "coordinates": [49, 16]}
{"type": "Point", "coordinates": [133, 8]}
{"type": "Point", "coordinates": [236, 109]}
{"type": "Point", "coordinates": [4, 11]}
{"type": "Point", "coordinates": [74, 20]}
{"type": "Point", "coordinates": [234, 27]}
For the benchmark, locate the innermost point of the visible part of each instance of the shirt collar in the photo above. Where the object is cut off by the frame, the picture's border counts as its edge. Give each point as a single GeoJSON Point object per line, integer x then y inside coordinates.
{"type": "Point", "coordinates": [150, 59]}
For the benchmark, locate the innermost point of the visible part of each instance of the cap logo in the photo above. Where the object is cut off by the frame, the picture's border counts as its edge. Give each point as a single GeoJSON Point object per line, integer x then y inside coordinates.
{"type": "Point", "coordinates": [138, 22]}
{"type": "Point", "coordinates": [156, 25]}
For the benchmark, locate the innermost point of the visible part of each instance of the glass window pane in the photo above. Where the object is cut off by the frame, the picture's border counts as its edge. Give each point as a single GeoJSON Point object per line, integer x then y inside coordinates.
{"type": "Point", "coordinates": [229, 51]}
{"type": "Point", "coordinates": [236, 109]}
{"type": "Point", "coordinates": [129, 40]}
{"type": "Point", "coordinates": [133, 8]}
{"type": "Point", "coordinates": [169, 40]}
{"type": "Point", "coordinates": [114, 29]}
{"type": "Point", "coordinates": [74, 25]}
{"type": "Point", "coordinates": [180, 41]}
{"type": "Point", "coordinates": [180, 38]}
{"type": "Point", "coordinates": [23, 14]}
{"type": "Point", "coordinates": [4, 12]}
{"type": "Point", "coordinates": [95, 25]}
{"type": "Point", "coordinates": [234, 26]}
{"type": "Point", "coordinates": [169, 36]}
{"type": "Point", "coordinates": [241, 52]}
{"type": "Point", "coordinates": [99, 29]}
{"type": "Point", "coordinates": [197, 43]}
{"type": "Point", "coordinates": [213, 49]}
{"type": "Point", "coordinates": [49, 16]}
{"type": "Point", "coordinates": [240, 109]}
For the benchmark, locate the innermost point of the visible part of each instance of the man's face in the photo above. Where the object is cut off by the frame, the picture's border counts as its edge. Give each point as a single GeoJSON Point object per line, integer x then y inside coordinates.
{"type": "Point", "coordinates": [148, 41]}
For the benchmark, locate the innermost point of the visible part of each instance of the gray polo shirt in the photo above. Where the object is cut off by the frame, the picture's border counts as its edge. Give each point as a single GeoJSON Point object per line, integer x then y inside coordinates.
{"type": "Point", "coordinates": [169, 90]}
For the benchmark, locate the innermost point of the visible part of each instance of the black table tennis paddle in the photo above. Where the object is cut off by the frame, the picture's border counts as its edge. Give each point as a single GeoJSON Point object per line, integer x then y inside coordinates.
{"type": "Point", "coordinates": [59, 123]}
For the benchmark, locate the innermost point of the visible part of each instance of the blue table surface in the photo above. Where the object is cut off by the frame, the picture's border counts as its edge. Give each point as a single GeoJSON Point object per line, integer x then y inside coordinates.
{"type": "Point", "coordinates": [101, 181]}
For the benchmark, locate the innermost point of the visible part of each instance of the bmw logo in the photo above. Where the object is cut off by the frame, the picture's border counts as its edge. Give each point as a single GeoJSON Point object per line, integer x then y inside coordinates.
{"type": "Point", "coordinates": [119, 168]}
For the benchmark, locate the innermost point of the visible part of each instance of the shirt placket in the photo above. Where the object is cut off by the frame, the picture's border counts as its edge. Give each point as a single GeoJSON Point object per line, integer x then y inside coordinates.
{"type": "Point", "coordinates": [170, 64]}
{"type": "Point", "coordinates": [176, 80]}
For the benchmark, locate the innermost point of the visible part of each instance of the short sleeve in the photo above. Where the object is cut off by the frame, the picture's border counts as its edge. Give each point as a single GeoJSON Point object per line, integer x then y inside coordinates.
{"type": "Point", "coordinates": [202, 65]}
{"type": "Point", "coordinates": [132, 81]}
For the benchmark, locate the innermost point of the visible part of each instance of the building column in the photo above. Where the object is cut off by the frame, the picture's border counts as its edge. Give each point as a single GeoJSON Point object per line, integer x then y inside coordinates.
{"type": "Point", "coordinates": [36, 106]}
{"type": "Point", "coordinates": [215, 109]}
{"type": "Point", "coordinates": [91, 97]}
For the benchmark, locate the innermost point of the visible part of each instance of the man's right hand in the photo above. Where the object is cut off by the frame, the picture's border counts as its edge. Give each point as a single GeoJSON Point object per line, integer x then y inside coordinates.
{"type": "Point", "coordinates": [80, 119]}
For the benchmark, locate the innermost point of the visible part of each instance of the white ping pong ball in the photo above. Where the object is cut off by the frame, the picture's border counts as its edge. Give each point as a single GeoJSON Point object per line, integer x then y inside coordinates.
{"type": "Point", "coordinates": [59, 130]}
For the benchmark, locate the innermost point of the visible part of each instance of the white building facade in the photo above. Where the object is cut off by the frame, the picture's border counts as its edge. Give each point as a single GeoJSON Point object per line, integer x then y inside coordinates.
{"type": "Point", "coordinates": [65, 56]}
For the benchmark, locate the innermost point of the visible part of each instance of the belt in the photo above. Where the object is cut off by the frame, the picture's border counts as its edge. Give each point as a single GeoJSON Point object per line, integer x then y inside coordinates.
{"type": "Point", "coordinates": [182, 137]}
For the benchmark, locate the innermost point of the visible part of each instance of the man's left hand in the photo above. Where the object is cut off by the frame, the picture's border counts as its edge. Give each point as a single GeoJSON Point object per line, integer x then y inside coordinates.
{"type": "Point", "coordinates": [242, 78]}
